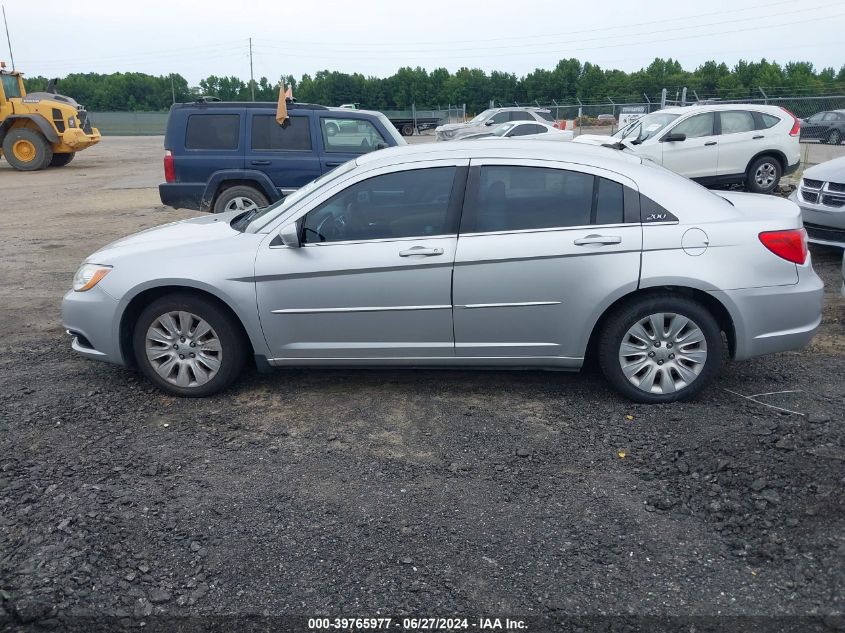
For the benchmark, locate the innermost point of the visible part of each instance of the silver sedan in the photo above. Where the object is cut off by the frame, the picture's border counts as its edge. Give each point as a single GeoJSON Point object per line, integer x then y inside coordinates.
{"type": "Point", "coordinates": [509, 254]}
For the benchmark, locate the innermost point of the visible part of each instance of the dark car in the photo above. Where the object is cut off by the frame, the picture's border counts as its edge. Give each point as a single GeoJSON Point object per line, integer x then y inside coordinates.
{"type": "Point", "coordinates": [225, 156]}
{"type": "Point", "coordinates": [827, 127]}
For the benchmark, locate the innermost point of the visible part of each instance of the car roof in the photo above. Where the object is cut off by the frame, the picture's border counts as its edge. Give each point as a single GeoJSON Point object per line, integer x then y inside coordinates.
{"type": "Point", "coordinates": [505, 148]}
{"type": "Point", "coordinates": [521, 108]}
{"type": "Point", "coordinates": [714, 107]}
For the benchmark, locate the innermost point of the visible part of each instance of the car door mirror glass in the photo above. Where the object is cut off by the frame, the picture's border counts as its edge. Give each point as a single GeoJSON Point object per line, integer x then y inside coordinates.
{"type": "Point", "coordinates": [290, 235]}
{"type": "Point", "coordinates": [674, 138]}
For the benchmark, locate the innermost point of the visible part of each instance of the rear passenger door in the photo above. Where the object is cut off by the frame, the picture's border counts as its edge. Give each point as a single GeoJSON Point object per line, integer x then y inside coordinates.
{"type": "Point", "coordinates": [738, 141]}
{"type": "Point", "coordinates": [213, 141]}
{"type": "Point", "coordinates": [544, 248]}
{"type": "Point", "coordinates": [284, 152]}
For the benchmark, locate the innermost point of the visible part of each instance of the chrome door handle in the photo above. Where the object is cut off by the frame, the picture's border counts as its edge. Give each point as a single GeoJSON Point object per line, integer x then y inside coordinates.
{"type": "Point", "coordinates": [422, 251]}
{"type": "Point", "coordinates": [259, 162]}
{"type": "Point", "coordinates": [709, 143]}
{"type": "Point", "coordinates": [598, 239]}
{"type": "Point", "coordinates": [754, 138]}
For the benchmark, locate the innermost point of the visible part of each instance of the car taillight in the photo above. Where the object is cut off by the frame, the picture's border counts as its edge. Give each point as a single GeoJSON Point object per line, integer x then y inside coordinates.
{"type": "Point", "coordinates": [791, 244]}
{"type": "Point", "coordinates": [796, 123]}
{"type": "Point", "coordinates": [169, 167]}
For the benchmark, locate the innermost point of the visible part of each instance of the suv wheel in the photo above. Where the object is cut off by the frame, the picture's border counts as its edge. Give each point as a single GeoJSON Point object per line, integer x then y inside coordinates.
{"type": "Point", "coordinates": [763, 175]}
{"type": "Point", "coordinates": [188, 346]}
{"type": "Point", "coordinates": [660, 349]}
{"type": "Point", "coordinates": [834, 138]}
{"type": "Point", "coordinates": [240, 198]}
{"type": "Point", "coordinates": [27, 150]}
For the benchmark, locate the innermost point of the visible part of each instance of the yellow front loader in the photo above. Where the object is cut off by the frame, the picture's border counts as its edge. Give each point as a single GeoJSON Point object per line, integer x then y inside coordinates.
{"type": "Point", "coordinates": [41, 129]}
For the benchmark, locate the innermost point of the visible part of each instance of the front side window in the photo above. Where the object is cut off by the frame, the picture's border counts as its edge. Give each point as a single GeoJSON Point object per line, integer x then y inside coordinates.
{"type": "Point", "coordinates": [695, 126]}
{"type": "Point", "coordinates": [645, 127]}
{"type": "Point", "coordinates": [356, 136]}
{"type": "Point", "coordinates": [10, 86]}
{"type": "Point", "coordinates": [830, 116]}
{"type": "Point", "coordinates": [816, 118]}
{"type": "Point", "coordinates": [737, 121]}
{"type": "Point", "coordinates": [500, 117]}
{"type": "Point", "coordinates": [413, 203]}
{"type": "Point", "coordinates": [212, 131]}
{"type": "Point", "coordinates": [525, 130]}
{"type": "Point", "coordinates": [267, 134]}
{"type": "Point", "coordinates": [511, 198]}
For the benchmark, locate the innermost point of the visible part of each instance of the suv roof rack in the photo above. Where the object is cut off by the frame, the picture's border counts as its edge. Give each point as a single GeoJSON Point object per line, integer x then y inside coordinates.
{"type": "Point", "coordinates": [205, 103]}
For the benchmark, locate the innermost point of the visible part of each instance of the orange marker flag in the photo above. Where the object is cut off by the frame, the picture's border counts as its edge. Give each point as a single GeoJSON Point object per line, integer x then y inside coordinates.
{"type": "Point", "coordinates": [282, 108]}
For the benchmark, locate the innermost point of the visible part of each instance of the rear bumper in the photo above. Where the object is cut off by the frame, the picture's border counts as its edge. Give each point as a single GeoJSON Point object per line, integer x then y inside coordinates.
{"type": "Point", "coordinates": [775, 318]}
{"type": "Point", "coordinates": [181, 195]}
{"type": "Point", "coordinates": [91, 320]}
{"type": "Point", "coordinates": [792, 168]}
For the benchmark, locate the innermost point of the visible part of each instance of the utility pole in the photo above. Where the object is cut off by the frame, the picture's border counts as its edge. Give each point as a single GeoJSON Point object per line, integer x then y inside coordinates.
{"type": "Point", "coordinates": [251, 78]}
{"type": "Point", "coordinates": [172, 88]}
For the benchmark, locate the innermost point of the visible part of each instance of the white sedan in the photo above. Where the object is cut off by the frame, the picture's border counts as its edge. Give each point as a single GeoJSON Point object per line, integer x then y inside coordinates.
{"type": "Point", "coordinates": [525, 130]}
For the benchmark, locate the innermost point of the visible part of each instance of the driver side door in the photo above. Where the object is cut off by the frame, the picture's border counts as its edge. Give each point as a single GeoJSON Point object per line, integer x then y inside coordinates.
{"type": "Point", "coordinates": [373, 276]}
{"type": "Point", "coordinates": [697, 155]}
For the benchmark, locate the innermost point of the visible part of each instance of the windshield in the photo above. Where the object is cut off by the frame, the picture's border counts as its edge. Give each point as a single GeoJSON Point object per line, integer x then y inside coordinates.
{"type": "Point", "coordinates": [501, 130]}
{"type": "Point", "coordinates": [645, 127]}
{"type": "Point", "coordinates": [391, 129]}
{"type": "Point", "coordinates": [268, 213]}
{"type": "Point", "coordinates": [10, 86]}
{"type": "Point", "coordinates": [478, 118]}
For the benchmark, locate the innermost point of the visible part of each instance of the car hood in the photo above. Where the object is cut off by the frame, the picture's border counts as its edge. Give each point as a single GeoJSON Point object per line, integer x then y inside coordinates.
{"type": "Point", "coordinates": [204, 228]}
{"type": "Point", "coordinates": [448, 127]}
{"type": "Point", "coordinates": [831, 170]}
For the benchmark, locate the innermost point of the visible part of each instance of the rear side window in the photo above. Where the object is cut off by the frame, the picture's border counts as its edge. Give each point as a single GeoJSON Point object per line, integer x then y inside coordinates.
{"type": "Point", "coordinates": [737, 121]}
{"type": "Point", "coordinates": [511, 198]}
{"type": "Point", "coordinates": [355, 136]}
{"type": "Point", "coordinates": [610, 205]}
{"type": "Point", "coordinates": [212, 131]}
{"type": "Point", "coordinates": [546, 116]}
{"type": "Point", "coordinates": [767, 121]}
{"type": "Point", "coordinates": [267, 134]}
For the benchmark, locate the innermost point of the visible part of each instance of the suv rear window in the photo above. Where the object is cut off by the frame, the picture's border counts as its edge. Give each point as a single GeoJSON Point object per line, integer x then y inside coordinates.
{"type": "Point", "coordinates": [212, 131]}
{"type": "Point", "coordinates": [267, 134]}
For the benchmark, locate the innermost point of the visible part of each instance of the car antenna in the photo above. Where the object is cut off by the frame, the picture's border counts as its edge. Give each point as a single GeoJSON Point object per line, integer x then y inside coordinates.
{"type": "Point", "coordinates": [8, 39]}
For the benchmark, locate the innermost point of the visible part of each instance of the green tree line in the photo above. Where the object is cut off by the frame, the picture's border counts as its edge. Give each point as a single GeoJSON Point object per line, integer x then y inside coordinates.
{"type": "Point", "coordinates": [567, 82]}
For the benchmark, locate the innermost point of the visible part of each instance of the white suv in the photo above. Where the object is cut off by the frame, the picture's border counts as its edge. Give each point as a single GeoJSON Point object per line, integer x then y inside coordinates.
{"type": "Point", "coordinates": [716, 144]}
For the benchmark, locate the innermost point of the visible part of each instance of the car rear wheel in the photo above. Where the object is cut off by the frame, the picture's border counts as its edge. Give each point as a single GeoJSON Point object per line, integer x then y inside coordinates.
{"type": "Point", "coordinates": [240, 198]}
{"type": "Point", "coordinates": [407, 130]}
{"type": "Point", "coordinates": [60, 160]}
{"type": "Point", "coordinates": [834, 138]}
{"type": "Point", "coordinates": [661, 348]}
{"type": "Point", "coordinates": [763, 175]}
{"type": "Point", "coordinates": [27, 150]}
{"type": "Point", "coordinates": [188, 346]}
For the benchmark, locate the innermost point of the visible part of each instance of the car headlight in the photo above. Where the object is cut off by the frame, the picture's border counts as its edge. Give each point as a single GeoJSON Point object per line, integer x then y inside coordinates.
{"type": "Point", "coordinates": [88, 276]}
{"type": "Point", "coordinates": [71, 122]}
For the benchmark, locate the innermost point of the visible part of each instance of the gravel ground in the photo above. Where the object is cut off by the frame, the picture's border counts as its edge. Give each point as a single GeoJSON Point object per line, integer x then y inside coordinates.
{"type": "Point", "coordinates": [329, 493]}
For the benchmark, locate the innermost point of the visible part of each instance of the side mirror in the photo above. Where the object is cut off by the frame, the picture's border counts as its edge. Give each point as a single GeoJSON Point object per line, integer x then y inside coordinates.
{"type": "Point", "coordinates": [489, 122]}
{"type": "Point", "coordinates": [290, 235]}
{"type": "Point", "coordinates": [382, 145]}
{"type": "Point", "coordinates": [672, 138]}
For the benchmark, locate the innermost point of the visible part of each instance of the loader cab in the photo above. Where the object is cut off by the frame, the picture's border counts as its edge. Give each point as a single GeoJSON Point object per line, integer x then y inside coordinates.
{"type": "Point", "coordinates": [11, 87]}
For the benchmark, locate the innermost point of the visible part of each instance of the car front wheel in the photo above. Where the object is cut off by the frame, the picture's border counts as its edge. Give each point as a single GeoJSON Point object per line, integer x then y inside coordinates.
{"type": "Point", "coordinates": [188, 346]}
{"type": "Point", "coordinates": [660, 349]}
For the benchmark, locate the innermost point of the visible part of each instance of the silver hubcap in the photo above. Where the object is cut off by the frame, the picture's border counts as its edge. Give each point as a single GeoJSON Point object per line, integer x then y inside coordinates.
{"type": "Point", "coordinates": [765, 175]}
{"type": "Point", "coordinates": [183, 349]}
{"type": "Point", "coordinates": [663, 353]}
{"type": "Point", "coordinates": [241, 204]}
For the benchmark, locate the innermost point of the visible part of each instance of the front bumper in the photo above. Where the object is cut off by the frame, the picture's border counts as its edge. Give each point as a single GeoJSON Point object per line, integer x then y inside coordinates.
{"type": "Point", "coordinates": [775, 318]}
{"type": "Point", "coordinates": [91, 318]}
{"type": "Point", "coordinates": [825, 224]}
{"type": "Point", "coordinates": [75, 139]}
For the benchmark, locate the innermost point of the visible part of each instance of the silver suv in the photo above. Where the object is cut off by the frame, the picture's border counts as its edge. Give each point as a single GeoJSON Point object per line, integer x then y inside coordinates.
{"type": "Point", "coordinates": [494, 116]}
{"type": "Point", "coordinates": [565, 251]}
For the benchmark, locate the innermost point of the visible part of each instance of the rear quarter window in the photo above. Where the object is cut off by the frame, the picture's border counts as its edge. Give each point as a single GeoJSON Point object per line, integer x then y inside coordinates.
{"type": "Point", "coordinates": [767, 121]}
{"type": "Point", "coordinates": [212, 131]}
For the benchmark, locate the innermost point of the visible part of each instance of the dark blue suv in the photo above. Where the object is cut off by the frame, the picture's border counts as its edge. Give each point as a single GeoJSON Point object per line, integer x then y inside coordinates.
{"type": "Point", "coordinates": [225, 156]}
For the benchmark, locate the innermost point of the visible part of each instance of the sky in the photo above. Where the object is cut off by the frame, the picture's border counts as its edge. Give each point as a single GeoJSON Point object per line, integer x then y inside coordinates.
{"type": "Point", "coordinates": [376, 37]}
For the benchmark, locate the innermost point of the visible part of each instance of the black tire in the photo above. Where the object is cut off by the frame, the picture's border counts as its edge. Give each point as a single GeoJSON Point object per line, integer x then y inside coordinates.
{"type": "Point", "coordinates": [407, 130]}
{"type": "Point", "coordinates": [231, 339]}
{"type": "Point", "coordinates": [60, 160]}
{"type": "Point", "coordinates": [42, 154]}
{"type": "Point", "coordinates": [332, 128]}
{"type": "Point", "coordinates": [231, 195]}
{"type": "Point", "coordinates": [763, 175]}
{"type": "Point", "coordinates": [626, 316]}
{"type": "Point", "coordinates": [834, 137]}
